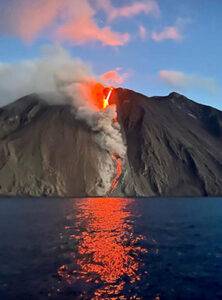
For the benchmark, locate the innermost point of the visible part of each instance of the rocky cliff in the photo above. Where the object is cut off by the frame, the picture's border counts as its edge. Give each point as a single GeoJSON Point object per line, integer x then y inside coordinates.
{"type": "Point", "coordinates": [173, 149]}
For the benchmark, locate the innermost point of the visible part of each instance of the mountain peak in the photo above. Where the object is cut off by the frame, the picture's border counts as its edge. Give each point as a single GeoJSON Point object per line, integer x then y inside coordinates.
{"type": "Point", "coordinates": [176, 95]}
{"type": "Point", "coordinates": [173, 148]}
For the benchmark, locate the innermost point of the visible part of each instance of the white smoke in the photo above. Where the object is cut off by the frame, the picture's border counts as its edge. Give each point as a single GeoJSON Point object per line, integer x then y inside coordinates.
{"type": "Point", "coordinates": [39, 75]}
{"type": "Point", "coordinates": [107, 132]}
{"type": "Point", "coordinates": [57, 73]}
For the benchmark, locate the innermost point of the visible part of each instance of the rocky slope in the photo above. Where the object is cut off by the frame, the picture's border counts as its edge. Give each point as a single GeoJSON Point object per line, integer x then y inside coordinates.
{"type": "Point", "coordinates": [173, 148]}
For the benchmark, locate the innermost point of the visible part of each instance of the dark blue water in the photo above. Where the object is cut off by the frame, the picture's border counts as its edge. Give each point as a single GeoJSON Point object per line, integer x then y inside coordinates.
{"type": "Point", "coordinates": [110, 249]}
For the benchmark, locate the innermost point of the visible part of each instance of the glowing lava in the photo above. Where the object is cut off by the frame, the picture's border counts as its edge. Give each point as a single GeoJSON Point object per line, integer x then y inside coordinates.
{"type": "Point", "coordinates": [95, 94]}
{"type": "Point", "coordinates": [116, 158]}
{"type": "Point", "coordinates": [118, 163]}
{"type": "Point", "coordinates": [99, 96]}
{"type": "Point", "coordinates": [106, 99]}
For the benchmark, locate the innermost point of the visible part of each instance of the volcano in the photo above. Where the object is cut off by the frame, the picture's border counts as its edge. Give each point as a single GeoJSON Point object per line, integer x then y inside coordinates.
{"type": "Point", "coordinates": [173, 149]}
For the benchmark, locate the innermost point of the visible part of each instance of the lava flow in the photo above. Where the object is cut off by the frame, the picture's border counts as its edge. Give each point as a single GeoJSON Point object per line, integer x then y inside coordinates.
{"type": "Point", "coordinates": [99, 96]}
{"type": "Point", "coordinates": [118, 163]}
{"type": "Point", "coordinates": [117, 160]}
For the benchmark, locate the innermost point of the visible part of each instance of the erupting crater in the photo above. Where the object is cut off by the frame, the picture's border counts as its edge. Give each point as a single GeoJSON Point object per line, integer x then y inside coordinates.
{"type": "Point", "coordinates": [103, 102]}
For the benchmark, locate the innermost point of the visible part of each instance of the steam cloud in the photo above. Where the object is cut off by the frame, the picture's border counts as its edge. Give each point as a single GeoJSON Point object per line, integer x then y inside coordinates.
{"type": "Point", "coordinates": [60, 77]}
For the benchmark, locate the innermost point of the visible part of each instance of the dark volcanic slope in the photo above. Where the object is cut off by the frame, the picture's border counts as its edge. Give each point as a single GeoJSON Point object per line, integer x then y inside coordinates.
{"type": "Point", "coordinates": [174, 145]}
{"type": "Point", "coordinates": [173, 148]}
{"type": "Point", "coordinates": [45, 151]}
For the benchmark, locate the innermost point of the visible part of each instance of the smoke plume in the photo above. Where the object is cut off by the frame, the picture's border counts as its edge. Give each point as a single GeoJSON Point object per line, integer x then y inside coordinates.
{"type": "Point", "coordinates": [106, 131]}
{"type": "Point", "coordinates": [63, 79]}
{"type": "Point", "coordinates": [40, 75]}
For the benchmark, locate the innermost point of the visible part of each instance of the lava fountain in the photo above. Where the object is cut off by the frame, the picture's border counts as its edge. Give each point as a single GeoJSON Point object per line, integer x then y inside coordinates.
{"type": "Point", "coordinates": [106, 99]}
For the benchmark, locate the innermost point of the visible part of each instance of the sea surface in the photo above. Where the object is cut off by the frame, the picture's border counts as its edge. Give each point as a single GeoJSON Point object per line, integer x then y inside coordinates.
{"type": "Point", "coordinates": [111, 248]}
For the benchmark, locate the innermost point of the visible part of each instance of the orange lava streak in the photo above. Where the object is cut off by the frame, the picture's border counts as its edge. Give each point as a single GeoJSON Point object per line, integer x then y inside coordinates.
{"type": "Point", "coordinates": [99, 96]}
{"type": "Point", "coordinates": [95, 94]}
{"type": "Point", "coordinates": [106, 99]}
{"type": "Point", "coordinates": [118, 163]}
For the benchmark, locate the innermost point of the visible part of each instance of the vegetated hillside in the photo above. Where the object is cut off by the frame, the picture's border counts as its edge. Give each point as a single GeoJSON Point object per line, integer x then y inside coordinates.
{"type": "Point", "coordinates": [173, 148]}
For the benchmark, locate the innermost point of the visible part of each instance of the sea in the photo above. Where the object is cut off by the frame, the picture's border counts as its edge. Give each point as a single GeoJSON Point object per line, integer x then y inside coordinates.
{"type": "Point", "coordinates": [110, 248]}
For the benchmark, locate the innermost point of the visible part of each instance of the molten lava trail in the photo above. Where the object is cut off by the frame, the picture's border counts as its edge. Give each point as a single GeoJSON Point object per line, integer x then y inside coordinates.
{"type": "Point", "coordinates": [118, 162]}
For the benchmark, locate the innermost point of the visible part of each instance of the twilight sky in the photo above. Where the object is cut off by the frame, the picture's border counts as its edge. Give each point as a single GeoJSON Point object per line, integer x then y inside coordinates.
{"type": "Point", "coordinates": [151, 46]}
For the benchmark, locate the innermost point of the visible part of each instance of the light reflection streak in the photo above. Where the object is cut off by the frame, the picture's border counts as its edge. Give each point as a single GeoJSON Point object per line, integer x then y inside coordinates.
{"type": "Point", "coordinates": [108, 250]}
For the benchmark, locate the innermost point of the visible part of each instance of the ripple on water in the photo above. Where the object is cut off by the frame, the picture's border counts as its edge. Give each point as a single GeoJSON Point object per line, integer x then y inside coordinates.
{"type": "Point", "coordinates": [107, 257]}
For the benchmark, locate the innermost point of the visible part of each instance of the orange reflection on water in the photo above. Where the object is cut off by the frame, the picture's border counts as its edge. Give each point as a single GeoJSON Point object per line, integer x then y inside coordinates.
{"type": "Point", "coordinates": [108, 248]}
